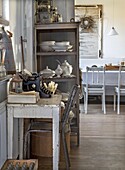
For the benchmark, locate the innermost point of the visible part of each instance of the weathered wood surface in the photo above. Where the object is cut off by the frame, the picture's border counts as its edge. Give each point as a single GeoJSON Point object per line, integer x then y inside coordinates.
{"type": "Point", "coordinates": [45, 108]}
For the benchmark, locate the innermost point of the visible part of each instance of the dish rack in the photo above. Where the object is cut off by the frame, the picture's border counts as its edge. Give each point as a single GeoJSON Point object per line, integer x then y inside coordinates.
{"type": "Point", "coordinates": [31, 164]}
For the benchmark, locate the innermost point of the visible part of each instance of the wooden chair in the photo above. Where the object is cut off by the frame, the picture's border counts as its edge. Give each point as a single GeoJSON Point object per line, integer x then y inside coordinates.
{"type": "Point", "coordinates": [119, 89]}
{"type": "Point", "coordinates": [95, 85]}
{"type": "Point", "coordinates": [38, 127]}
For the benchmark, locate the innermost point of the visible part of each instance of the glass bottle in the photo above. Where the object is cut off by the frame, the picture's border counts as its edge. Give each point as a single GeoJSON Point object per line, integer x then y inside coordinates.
{"type": "Point", "coordinates": [54, 14]}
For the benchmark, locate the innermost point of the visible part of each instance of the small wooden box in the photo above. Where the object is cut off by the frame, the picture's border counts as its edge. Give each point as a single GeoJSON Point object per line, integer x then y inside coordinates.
{"type": "Point", "coordinates": [24, 97]}
{"type": "Point", "coordinates": [21, 162]}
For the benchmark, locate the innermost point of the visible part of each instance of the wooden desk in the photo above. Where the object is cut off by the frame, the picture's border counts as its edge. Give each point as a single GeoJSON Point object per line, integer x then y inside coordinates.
{"type": "Point", "coordinates": [45, 108]}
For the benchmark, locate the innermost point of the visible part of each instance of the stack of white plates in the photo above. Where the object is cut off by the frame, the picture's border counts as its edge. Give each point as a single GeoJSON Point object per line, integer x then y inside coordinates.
{"type": "Point", "coordinates": [62, 43]}
{"type": "Point", "coordinates": [62, 46]}
{"type": "Point", "coordinates": [47, 46]}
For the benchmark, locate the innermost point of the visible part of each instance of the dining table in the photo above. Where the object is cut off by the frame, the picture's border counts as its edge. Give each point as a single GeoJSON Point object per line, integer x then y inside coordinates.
{"type": "Point", "coordinates": [44, 108]}
{"type": "Point", "coordinates": [111, 78]}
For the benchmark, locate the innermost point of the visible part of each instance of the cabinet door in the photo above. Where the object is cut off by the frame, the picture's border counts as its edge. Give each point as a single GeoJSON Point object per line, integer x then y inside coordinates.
{"type": "Point", "coordinates": [3, 134]}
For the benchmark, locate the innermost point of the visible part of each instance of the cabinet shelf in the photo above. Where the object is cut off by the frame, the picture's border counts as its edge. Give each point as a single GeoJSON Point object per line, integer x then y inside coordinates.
{"type": "Point", "coordinates": [56, 53]}
{"type": "Point", "coordinates": [60, 32]}
{"type": "Point", "coordinates": [60, 79]}
{"type": "Point", "coordinates": [63, 26]}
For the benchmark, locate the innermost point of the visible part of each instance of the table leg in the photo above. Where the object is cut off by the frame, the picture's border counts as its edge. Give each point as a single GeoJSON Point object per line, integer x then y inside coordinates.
{"type": "Point", "coordinates": [10, 132]}
{"type": "Point", "coordinates": [56, 113]}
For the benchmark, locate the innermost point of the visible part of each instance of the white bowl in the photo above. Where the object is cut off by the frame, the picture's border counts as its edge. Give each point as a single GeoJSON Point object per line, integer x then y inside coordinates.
{"type": "Point", "coordinates": [47, 43]}
{"type": "Point", "coordinates": [62, 43]}
{"type": "Point", "coordinates": [47, 72]}
{"type": "Point", "coordinates": [46, 48]}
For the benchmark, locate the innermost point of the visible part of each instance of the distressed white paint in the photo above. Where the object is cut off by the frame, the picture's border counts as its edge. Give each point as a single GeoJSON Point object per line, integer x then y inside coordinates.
{"type": "Point", "coordinates": [45, 108]}
{"type": "Point", "coordinates": [3, 120]}
{"type": "Point", "coordinates": [3, 134]}
{"type": "Point", "coordinates": [89, 45]}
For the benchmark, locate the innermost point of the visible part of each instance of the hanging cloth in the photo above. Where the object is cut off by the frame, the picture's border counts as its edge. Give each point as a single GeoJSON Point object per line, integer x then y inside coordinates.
{"type": "Point", "coordinates": [9, 56]}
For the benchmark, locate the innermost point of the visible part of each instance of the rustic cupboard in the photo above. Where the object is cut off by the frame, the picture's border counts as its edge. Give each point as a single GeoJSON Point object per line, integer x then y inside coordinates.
{"type": "Point", "coordinates": [59, 32]}
{"type": "Point", "coordinates": [3, 120]}
{"type": "Point", "coordinates": [3, 134]}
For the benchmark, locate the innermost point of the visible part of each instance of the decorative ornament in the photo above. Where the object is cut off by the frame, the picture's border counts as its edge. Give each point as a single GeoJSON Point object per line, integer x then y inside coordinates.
{"type": "Point", "coordinates": [87, 23]}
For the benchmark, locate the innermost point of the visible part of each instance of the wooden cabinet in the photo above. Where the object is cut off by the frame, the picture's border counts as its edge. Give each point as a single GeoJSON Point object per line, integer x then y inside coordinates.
{"type": "Point", "coordinates": [3, 119]}
{"type": "Point", "coordinates": [3, 124]}
{"type": "Point", "coordinates": [60, 32]}
{"type": "Point", "coordinates": [3, 133]}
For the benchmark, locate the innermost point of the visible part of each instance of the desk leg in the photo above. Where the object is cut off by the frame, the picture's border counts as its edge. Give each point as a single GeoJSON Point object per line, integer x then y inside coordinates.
{"type": "Point", "coordinates": [56, 113]}
{"type": "Point", "coordinates": [10, 132]}
{"type": "Point", "coordinates": [21, 131]}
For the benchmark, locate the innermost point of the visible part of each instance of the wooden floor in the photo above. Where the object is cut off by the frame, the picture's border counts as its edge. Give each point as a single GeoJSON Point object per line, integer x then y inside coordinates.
{"type": "Point", "coordinates": [102, 141]}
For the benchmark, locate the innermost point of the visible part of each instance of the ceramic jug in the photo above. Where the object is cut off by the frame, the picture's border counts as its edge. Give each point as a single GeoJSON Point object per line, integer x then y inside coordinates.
{"type": "Point", "coordinates": [67, 68]}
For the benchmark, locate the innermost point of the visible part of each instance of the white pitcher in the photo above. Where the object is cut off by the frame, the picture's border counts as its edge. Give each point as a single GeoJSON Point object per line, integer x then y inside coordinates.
{"type": "Point", "coordinates": [67, 68]}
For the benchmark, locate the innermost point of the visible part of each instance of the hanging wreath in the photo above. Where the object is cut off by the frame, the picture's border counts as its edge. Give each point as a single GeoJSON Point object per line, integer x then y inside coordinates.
{"type": "Point", "coordinates": [87, 23]}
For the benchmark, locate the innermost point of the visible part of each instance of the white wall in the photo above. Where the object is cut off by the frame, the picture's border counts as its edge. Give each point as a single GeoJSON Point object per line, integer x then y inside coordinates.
{"type": "Point", "coordinates": [113, 46]}
{"type": "Point", "coordinates": [21, 20]}
{"type": "Point", "coordinates": [65, 8]}
{"type": "Point", "coordinates": [16, 29]}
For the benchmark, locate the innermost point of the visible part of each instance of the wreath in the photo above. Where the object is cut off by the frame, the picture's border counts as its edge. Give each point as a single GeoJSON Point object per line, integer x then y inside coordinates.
{"type": "Point", "coordinates": [87, 23]}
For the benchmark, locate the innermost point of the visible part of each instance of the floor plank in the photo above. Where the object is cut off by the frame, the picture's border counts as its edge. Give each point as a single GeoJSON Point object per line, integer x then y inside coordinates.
{"type": "Point", "coordinates": [102, 141]}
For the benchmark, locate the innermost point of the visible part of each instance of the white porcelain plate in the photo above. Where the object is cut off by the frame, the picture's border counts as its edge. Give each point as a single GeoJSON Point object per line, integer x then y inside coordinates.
{"type": "Point", "coordinates": [62, 48]}
{"type": "Point", "coordinates": [62, 43]}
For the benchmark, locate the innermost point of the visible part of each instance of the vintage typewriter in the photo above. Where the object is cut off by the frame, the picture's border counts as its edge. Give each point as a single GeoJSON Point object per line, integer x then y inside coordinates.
{"type": "Point", "coordinates": [33, 81]}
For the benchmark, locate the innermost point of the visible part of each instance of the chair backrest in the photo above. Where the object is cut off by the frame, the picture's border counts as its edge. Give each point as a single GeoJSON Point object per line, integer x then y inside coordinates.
{"type": "Point", "coordinates": [95, 76]}
{"type": "Point", "coordinates": [71, 99]}
{"type": "Point", "coordinates": [121, 80]}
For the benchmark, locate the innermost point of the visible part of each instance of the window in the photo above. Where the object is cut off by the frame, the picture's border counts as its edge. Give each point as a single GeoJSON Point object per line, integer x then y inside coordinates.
{"type": "Point", "coordinates": [90, 17]}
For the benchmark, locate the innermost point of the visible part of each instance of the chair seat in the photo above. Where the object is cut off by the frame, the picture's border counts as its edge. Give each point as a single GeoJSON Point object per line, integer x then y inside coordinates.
{"type": "Point", "coordinates": [94, 90]}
